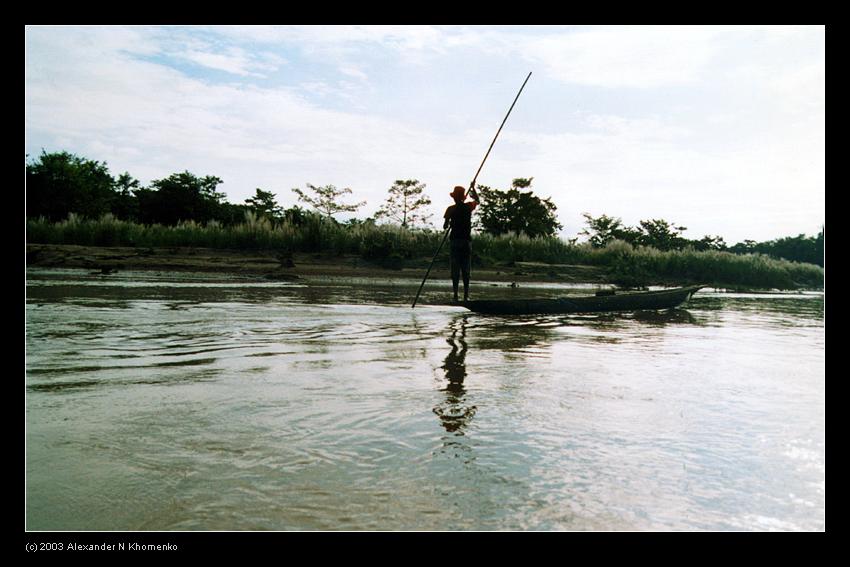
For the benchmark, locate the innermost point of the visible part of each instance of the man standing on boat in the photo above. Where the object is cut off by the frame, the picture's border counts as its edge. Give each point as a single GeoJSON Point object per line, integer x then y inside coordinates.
{"type": "Point", "coordinates": [459, 218]}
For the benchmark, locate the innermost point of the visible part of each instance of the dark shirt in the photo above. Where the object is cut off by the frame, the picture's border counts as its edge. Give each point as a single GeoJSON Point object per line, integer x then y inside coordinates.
{"type": "Point", "coordinates": [459, 217]}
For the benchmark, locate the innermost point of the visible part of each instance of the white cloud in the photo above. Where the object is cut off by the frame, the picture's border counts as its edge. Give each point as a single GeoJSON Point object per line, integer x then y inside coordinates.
{"type": "Point", "coordinates": [624, 56]}
{"type": "Point", "coordinates": [743, 166]}
{"type": "Point", "coordinates": [355, 72]}
{"type": "Point", "coordinates": [404, 37]}
{"type": "Point", "coordinates": [639, 169]}
{"type": "Point", "coordinates": [801, 90]}
{"type": "Point", "coordinates": [235, 61]}
{"type": "Point", "coordinates": [153, 121]}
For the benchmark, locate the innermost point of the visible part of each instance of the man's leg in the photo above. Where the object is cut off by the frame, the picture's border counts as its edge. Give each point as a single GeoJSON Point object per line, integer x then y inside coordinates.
{"type": "Point", "coordinates": [455, 268]}
{"type": "Point", "coordinates": [466, 267]}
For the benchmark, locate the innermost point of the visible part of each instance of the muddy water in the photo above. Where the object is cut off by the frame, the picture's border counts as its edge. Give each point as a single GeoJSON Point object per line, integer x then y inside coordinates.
{"type": "Point", "coordinates": [198, 402]}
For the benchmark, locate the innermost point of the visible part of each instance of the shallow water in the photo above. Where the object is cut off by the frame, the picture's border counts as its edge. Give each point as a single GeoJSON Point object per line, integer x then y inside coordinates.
{"type": "Point", "coordinates": [203, 402]}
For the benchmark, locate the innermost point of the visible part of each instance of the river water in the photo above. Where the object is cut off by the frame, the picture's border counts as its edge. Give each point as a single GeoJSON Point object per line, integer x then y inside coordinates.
{"type": "Point", "coordinates": [159, 401]}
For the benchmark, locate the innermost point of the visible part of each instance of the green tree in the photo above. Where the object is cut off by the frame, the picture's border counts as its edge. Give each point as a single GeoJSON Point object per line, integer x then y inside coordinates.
{"type": "Point", "coordinates": [62, 183]}
{"type": "Point", "coordinates": [604, 229]}
{"type": "Point", "coordinates": [263, 204]}
{"type": "Point", "coordinates": [125, 205]}
{"type": "Point", "coordinates": [522, 182]}
{"type": "Point", "coordinates": [745, 247]}
{"type": "Point", "coordinates": [181, 197]}
{"type": "Point", "coordinates": [405, 203]}
{"type": "Point", "coordinates": [709, 243]}
{"type": "Point", "coordinates": [296, 216]}
{"type": "Point", "coordinates": [230, 214]}
{"type": "Point", "coordinates": [516, 211]}
{"type": "Point", "coordinates": [661, 235]}
{"type": "Point", "coordinates": [656, 233]}
{"type": "Point", "coordinates": [800, 248]}
{"type": "Point", "coordinates": [326, 200]}
{"type": "Point", "coordinates": [126, 183]}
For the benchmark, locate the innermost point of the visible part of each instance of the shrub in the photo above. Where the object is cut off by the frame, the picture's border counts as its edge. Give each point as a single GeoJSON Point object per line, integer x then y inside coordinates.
{"type": "Point", "coordinates": [391, 245]}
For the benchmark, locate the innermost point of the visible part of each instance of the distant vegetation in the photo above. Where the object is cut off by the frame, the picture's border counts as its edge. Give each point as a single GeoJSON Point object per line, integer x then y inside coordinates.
{"type": "Point", "coordinates": [516, 211]}
{"type": "Point", "coordinates": [393, 246]}
{"type": "Point", "coordinates": [71, 200]}
{"type": "Point", "coordinates": [665, 236]}
{"type": "Point", "coordinates": [405, 203]}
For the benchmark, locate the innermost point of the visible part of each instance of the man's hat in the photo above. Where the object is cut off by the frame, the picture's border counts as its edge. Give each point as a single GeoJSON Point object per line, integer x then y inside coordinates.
{"type": "Point", "coordinates": [458, 193]}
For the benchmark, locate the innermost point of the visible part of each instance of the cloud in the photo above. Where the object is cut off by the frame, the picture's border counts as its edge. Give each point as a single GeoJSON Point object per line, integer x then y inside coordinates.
{"type": "Point", "coordinates": [354, 72]}
{"type": "Point", "coordinates": [402, 37]}
{"type": "Point", "coordinates": [151, 120]}
{"type": "Point", "coordinates": [741, 156]}
{"type": "Point", "coordinates": [639, 169]}
{"type": "Point", "coordinates": [235, 61]}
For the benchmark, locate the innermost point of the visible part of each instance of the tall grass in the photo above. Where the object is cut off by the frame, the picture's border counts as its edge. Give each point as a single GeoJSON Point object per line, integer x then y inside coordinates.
{"type": "Point", "coordinates": [392, 245]}
{"type": "Point", "coordinates": [640, 265]}
{"type": "Point", "coordinates": [313, 235]}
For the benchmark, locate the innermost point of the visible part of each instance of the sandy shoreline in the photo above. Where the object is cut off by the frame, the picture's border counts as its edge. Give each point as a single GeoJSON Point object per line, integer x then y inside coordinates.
{"type": "Point", "coordinates": [265, 264]}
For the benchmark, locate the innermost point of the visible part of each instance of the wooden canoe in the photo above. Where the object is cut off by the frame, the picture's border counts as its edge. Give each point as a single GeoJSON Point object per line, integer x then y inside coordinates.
{"type": "Point", "coordinates": [664, 299]}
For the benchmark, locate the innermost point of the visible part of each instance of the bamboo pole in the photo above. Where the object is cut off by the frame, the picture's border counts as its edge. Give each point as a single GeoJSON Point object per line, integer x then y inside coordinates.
{"type": "Point", "coordinates": [471, 185]}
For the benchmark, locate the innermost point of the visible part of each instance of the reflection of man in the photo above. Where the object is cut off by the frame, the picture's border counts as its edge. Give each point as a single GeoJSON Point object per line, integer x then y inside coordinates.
{"type": "Point", "coordinates": [455, 366]}
{"type": "Point", "coordinates": [452, 413]}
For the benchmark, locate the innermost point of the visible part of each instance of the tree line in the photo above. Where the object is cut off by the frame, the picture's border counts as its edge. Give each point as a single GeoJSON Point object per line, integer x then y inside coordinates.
{"type": "Point", "coordinates": [666, 236]}
{"type": "Point", "coordinates": [61, 183]}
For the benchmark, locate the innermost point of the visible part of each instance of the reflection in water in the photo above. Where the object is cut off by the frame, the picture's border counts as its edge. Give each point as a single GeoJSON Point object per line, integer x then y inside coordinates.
{"type": "Point", "coordinates": [665, 317]}
{"type": "Point", "coordinates": [517, 338]}
{"type": "Point", "coordinates": [454, 415]}
{"type": "Point", "coordinates": [791, 310]}
{"type": "Point", "coordinates": [224, 404]}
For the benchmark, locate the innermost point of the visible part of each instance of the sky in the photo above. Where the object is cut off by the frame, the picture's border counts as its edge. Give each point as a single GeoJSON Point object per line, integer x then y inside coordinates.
{"type": "Point", "coordinates": [718, 129]}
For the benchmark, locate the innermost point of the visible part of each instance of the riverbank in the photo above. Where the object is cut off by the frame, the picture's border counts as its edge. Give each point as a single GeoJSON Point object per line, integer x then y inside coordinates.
{"type": "Point", "coordinates": [328, 248]}
{"type": "Point", "coordinates": [268, 265]}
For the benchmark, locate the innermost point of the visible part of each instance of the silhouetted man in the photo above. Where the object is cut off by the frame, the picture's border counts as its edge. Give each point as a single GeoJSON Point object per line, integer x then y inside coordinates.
{"type": "Point", "coordinates": [459, 218]}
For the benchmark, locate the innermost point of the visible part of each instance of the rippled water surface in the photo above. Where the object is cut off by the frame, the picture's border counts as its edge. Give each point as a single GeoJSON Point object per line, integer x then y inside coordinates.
{"type": "Point", "coordinates": [198, 402]}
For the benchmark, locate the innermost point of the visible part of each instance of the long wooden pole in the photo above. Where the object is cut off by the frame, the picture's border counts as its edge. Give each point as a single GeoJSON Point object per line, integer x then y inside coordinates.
{"type": "Point", "coordinates": [471, 185]}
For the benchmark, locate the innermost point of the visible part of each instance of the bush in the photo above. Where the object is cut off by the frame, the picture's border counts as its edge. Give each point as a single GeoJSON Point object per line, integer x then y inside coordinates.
{"type": "Point", "coordinates": [391, 245]}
